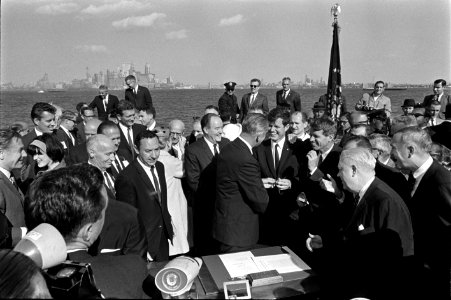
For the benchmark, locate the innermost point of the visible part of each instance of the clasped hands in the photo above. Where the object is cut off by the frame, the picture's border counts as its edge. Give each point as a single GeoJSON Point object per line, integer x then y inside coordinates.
{"type": "Point", "coordinates": [281, 183]}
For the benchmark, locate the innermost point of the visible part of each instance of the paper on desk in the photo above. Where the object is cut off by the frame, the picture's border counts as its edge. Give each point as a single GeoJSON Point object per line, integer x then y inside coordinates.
{"type": "Point", "coordinates": [283, 263]}
{"type": "Point", "coordinates": [239, 264]}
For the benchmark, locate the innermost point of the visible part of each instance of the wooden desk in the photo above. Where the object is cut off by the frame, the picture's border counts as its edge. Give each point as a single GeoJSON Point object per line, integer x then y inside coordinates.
{"type": "Point", "coordinates": [305, 284]}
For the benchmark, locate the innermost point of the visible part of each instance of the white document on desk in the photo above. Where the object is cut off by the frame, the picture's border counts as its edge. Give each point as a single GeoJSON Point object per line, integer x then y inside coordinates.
{"type": "Point", "coordinates": [239, 264]}
{"type": "Point", "coordinates": [283, 263]}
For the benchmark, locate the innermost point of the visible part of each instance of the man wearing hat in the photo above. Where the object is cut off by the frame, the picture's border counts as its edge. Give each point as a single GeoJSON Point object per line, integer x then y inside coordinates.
{"type": "Point", "coordinates": [228, 102]}
{"type": "Point", "coordinates": [64, 132]}
{"type": "Point", "coordinates": [408, 106]}
{"type": "Point", "coordinates": [319, 110]}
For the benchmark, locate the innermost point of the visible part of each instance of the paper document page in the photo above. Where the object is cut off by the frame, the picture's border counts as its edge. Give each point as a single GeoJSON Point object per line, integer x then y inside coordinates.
{"type": "Point", "coordinates": [239, 264]}
{"type": "Point", "coordinates": [283, 263]}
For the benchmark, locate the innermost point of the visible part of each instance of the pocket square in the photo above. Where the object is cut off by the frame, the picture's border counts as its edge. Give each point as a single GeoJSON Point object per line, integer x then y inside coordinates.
{"type": "Point", "coordinates": [360, 228]}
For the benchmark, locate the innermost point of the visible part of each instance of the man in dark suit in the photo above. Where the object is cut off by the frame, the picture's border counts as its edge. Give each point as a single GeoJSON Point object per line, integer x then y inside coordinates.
{"type": "Point", "coordinates": [240, 195]}
{"type": "Point", "coordinates": [143, 185]}
{"type": "Point", "coordinates": [200, 170]}
{"type": "Point", "coordinates": [79, 154]}
{"type": "Point", "coordinates": [111, 130]}
{"type": "Point", "coordinates": [280, 175]}
{"type": "Point", "coordinates": [87, 113]}
{"type": "Point", "coordinates": [74, 200]}
{"type": "Point", "coordinates": [12, 155]}
{"type": "Point", "coordinates": [253, 100]}
{"type": "Point", "coordinates": [138, 95]}
{"type": "Point", "coordinates": [376, 237]}
{"type": "Point", "coordinates": [228, 103]}
{"type": "Point", "coordinates": [430, 207]}
{"type": "Point", "coordinates": [128, 130]}
{"type": "Point", "coordinates": [104, 103]}
{"type": "Point", "coordinates": [288, 98]}
{"type": "Point", "coordinates": [122, 232]}
{"type": "Point", "coordinates": [440, 96]}
{"type": "Point", "coordinates": [64, 132]}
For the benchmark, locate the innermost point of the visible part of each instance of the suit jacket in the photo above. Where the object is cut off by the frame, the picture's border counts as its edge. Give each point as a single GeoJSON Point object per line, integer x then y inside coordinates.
{"type": "Point", "coordinates": [118, 165]}
{"type": "Point", "coordinates": [97, 103]}
{"type": "Point", "coordinates": [260, 102]}
{"type": "Point", "coordinates": [228, 104]}
{"type": "Point", "coordinates": [11, 205]}
{"type": "Point", "coordinates": [66, 141]}
{"type": "Point", "coordinates": [240, 196]}
{"type": "Point", "coordinates": [430, 208]}
{"type": "Point", "coordinates": [28, 172]}
{"type": "Point", "coordinates": [394, 179]}
{"type": "Point", "coordinates": [444, 101]}
{"type": "Point", "coordinates": [78, 154]}
{"type": "Point", "coordinates": [124, 148]}
{"type": "Point", "coordinates": [291, 101]}
{"type": "Point", "coordinates": [118, 277]}
{"type": "Point", "coordinates": [80, 133]}
{"type": "Point", "coordinates": [134, 187]}
{"type": "Point", "coordinates": [142, 99]}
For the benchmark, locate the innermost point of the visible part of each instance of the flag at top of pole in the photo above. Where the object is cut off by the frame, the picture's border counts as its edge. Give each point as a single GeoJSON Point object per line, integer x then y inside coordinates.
{"type": "Point", "coordinates": [334, 100]}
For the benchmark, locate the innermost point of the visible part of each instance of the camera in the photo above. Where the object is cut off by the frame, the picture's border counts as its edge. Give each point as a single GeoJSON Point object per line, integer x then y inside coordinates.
{"type": "Point", "coordinates": [72, 280]}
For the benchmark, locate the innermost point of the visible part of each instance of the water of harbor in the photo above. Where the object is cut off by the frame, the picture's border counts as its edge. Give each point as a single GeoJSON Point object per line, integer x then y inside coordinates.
{"type": "Point", "coordinates": [180, 104]}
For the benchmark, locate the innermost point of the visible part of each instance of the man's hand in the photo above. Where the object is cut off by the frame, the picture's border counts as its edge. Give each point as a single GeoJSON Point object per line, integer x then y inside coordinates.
{"type": "Point", "coordinates": [283, 184]}
{"type": "Point", "coordinates": [314, 242]}
{"type": "Point", "coordinates": [268, 182]}
{"type": "Point", "coordinates": [331, 186]}
{"type": "Point", "coordinates": [301, 200]}
{"type": "Point", "coordinates": [313, 160]}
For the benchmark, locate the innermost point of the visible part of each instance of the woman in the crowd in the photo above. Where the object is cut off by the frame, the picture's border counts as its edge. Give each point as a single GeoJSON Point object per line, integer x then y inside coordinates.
{"type": "Point", "coordinates": [48, 153]}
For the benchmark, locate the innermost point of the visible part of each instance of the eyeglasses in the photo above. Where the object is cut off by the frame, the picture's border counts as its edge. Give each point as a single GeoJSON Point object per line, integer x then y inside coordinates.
{"type": "Point", "coordinates": [253, 86]}
{"type": "Point", "coordinates": [175, 133]}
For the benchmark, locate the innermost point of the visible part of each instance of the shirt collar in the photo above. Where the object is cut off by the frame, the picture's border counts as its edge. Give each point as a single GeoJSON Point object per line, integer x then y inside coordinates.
{"type": "Point", "coordinates": [365, 188]}
{"type": "Point", "coordinates": [304, 136]}
{"type": "Point", "coordinates": [424, 167]}
{"type": "Point", "coordinates": [152, 126]}
{"type": "Point", "coordinates": [6, 172]}
{"type": "Point", "coordinates": [327, 152]}
{"type": "Point", "coordinates": [38, 133]}
{"type": "Point", "coordinates": [280, 143]}
{"type": "Point", "coordinates": [65, 130]}
{"type": "Point", "coordinates": [286, 92]}
{"type": "Point", "coordinates": [247, 144]}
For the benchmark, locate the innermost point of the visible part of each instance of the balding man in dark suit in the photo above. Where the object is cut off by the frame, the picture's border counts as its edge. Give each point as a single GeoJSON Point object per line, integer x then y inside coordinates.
{"type": "Point", "coordinates": [288, 98]}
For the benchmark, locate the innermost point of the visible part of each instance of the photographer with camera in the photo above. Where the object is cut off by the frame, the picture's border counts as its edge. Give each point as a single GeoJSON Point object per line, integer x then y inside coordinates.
{"type": "Point", "coordinates": [74, 201]}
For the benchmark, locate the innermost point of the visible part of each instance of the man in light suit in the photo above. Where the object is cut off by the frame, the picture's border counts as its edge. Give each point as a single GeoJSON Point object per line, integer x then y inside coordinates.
{"type": "Point", "coordinates": [12, 155]}
{"type": "Point", "coordinates": [200, 168]}
{"type": "Point", "coordinates": [253, 100]}
{"type": "Point", "coordinates": [138, 95]}
{"type": "Point", "coordinates": [128, 130]}
{"type": "Point", "coordinates": [240, 195]}
{"type": "Point", "coordinates": [143, 185]}
{"type": "Point", "coordinates": [288, 98]}
{"type": "Point", "coordinates": [375, 100]}
{"type": "Point", "coordinates": [430, 207]}
{"type": "Point", "coordinates": [280, 176]}
{"type": "Point", "coordinates": [104, 103]}
{"type": "Point", "coordinates": [440, 96]}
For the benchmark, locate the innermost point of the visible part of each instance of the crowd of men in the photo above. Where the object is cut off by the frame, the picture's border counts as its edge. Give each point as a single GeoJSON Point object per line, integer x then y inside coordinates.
{"type": "Point", "coordinates": [364, 198]}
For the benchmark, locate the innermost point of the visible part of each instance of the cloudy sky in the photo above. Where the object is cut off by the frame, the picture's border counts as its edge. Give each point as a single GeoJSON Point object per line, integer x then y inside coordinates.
{"type": "Point", "coordinates": [201, 41]}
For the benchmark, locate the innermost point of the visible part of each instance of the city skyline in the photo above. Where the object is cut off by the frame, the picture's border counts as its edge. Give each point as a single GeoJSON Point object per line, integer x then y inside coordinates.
{"type": "Point", "coordinates": [197, 41]}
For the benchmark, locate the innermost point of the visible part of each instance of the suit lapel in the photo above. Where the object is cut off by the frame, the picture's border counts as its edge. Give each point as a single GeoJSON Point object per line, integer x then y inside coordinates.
{"type": "Point", "coordinates": [424, 181]}
{"type": "Point", "coordinates": [285, 151]}
{"type": "Point", "coordinates": [270, 159]}
{"type": "Point", "coordinates": [143, 175]}
{"type": "Point", "coordinates": [10, 186]}
{"type": "Point", "coordinates": [207, 149]}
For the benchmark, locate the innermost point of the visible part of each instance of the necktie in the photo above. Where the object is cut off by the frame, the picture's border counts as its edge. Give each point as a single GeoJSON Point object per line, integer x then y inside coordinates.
{"type": "Point", "coordinates": [252, 99]}
{"type": "Point", "coordinates": [320, 159]}
{"type": "Point", "coordinates": [105, 103]}
{"type": "Point", "coordinates": [276, 157]}
{"type": "Point", "coordinates": [356, 200]}
{"type": "Point", "coordinates": [135, 91]}
{"type": "Point", "coordinates": [411, 183]}
{"type": "Point", "coordinates": [13, 181]}
{"type": "Point", "coordinates": [72, 138]}
{"type": "Point", "coordinates": [284, 95]}
{"type": "Point", "coordinates": [130, 142]}
{"type": "Point", "coordinates": [215, 149]}
{"type": "Point", "coordinates": [155, 182]}
{"type": "Point", "coordinates": [109, 182]}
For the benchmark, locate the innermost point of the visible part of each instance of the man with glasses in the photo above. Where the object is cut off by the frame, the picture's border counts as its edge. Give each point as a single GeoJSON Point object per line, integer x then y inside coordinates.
{"type": "Point", "coordinates": [79, 153]}
{"type": "Point", "coordinates": [288, 98]}
{"type": "Point", "coordinates": [375, 100]}
{"type": "Point", "coordinates": [253, 100]}
{"type": "Point", "coordinates": [104, 103]}
{"type": "Point", "coordinates": [177, 140]}
{"type": "Point", "coordinates": [87, 113]}
{"type": "Point", "coordinates": [228, 102]}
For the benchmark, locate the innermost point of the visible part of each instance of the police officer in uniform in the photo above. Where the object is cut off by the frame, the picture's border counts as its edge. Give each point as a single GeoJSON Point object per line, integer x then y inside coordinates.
{"type": "Point", "coordinates": [228, 104]}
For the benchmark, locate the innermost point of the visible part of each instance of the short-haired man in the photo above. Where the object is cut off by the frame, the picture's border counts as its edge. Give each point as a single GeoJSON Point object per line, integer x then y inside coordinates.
{"type": "Point", "coordinates": [240, 195]}
{"type": "Point", "coordinates": [228, 103]}
{"type": "Point", "coordinates": [253, 100]}
{"type": "Point", "coordinates": [439, 95]}
{"type": "Point", "coordinates": [375, 100]}
{"type": "Point", "coordinates": [200, 170]}
{"type": "Point", "coordinates": [79, 154]}
{"type": "Point", "coordinates": [433, 113]}
{"type": "Point", "coordinates": [104, 103]}
{"type": "Point", "coordinates": [138, 95]}
{"type": "Point", "coordinates": [64, 133]}
{"type": "Point", "coordinates": [288, 98]}
{"type": "Point", "coordinates": [211, 109]}
{"type": "Point", "coordinates": [74, 201]}
{"type": "Point", "coordinates": [355, 118]}
{"type": "Point", "coordinates": [111, 130]}
{"type": "Point", "coordinates": [128, 130]}
{"type": "Point", "coordinates": [378, 233]}
{"type": "Point", "coordinates": [280, 176]}
{"type": "Point", "coordinates": [430, 207]}
{"type": "Point", "coordinates": [400, 122]}
{"type": "Point", "coordinates": [143, 185]}
{"type": "Point", "coordinates": [147, 117]}
{"type": "Point", "coordinates": [12, 156]}
{"type": "Point", "coordinates": [177, 140]}
{"type": "Point", "coordinates": [86, 113]}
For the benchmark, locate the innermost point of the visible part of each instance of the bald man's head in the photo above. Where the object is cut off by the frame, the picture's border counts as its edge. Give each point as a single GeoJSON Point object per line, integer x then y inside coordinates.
{"type": "Point", "coordinates": [101, 150]}
{"type": "Point", "coordinates": [91, 127]}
